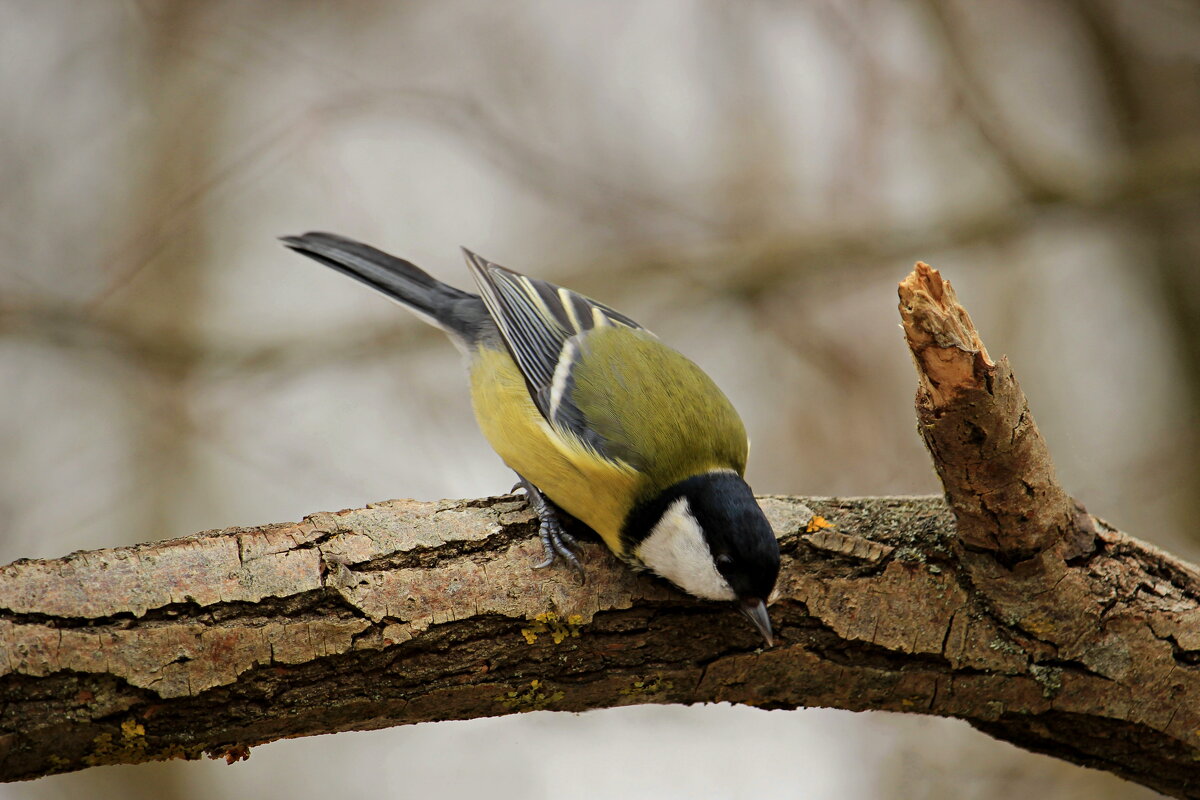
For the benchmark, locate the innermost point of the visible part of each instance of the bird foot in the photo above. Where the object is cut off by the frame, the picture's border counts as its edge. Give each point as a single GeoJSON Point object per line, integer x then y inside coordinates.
{"type": "Point", "coordinates": [556, 542]}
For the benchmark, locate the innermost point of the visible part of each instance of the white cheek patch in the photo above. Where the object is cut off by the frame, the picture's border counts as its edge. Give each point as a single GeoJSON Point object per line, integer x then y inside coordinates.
{"type": "Point", "coordinates": [677, 551]}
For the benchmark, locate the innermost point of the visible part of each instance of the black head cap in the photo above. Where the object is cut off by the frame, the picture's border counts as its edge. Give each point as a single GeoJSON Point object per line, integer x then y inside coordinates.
{"type": "Point", "coordinates": [742, 542]}
{"type": "Point", "coordinates": [708, 535]}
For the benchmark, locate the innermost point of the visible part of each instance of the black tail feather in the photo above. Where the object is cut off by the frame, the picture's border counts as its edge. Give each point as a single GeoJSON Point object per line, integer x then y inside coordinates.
{"type": "Point", "coordinates": [458, 312]}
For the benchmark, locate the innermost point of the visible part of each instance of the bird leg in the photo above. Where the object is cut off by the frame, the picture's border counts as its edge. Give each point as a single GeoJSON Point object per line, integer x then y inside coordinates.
{"type": "Point", "coordinates": [557, 542]}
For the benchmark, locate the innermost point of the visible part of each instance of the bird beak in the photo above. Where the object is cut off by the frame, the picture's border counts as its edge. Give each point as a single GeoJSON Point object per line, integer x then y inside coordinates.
{"type": "Point", "coordinates": [755, 610]}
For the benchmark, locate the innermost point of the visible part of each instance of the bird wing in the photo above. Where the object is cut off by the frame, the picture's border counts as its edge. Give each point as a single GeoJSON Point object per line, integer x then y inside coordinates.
{"type": "Point", "coordinates": [684, 424]}
{"type": "Point", "coordinates": [544, 327]}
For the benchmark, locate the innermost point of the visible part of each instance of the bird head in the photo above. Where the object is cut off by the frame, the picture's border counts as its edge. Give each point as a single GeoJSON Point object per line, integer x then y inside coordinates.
{"type": "Point", "coordinates": [708, 536]}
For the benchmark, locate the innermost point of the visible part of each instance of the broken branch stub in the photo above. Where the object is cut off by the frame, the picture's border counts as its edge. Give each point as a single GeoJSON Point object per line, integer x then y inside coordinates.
{"type": "Point", "coordinates": [975, 420]}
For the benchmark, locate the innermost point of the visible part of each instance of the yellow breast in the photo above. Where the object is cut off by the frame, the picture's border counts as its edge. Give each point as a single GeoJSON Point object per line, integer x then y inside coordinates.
{"type": "Point", "coordinates": [592, 489]}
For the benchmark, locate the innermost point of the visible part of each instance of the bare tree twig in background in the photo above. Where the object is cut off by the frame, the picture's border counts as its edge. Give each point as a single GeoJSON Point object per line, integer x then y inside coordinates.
{"type": "Point", "coordinates": [762, 264]}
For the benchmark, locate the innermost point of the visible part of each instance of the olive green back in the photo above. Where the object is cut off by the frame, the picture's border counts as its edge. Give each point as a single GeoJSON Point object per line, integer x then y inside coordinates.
{"type": "Point", "coordinates": [656, 410]}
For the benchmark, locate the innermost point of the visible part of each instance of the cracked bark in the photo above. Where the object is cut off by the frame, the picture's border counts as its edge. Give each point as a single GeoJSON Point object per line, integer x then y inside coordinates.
{"type": "Point", "coordinates": [1008, 606]}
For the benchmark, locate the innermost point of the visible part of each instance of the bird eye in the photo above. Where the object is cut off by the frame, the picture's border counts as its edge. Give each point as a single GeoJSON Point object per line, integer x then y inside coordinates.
{"type": "Point", "coordinates": [724, 561]}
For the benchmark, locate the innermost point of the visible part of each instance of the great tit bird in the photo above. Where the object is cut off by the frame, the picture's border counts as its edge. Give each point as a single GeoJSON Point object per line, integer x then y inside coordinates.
{"type": "Point", "coordinates": [597, 417]}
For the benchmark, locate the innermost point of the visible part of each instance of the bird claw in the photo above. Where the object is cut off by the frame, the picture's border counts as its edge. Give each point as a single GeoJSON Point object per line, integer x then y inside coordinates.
{"type": "Point", "coordinates": [556, 542]}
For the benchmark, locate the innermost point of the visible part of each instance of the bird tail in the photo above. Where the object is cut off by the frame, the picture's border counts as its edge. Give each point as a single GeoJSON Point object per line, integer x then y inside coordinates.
{"type": "Point", "coordinates": [461, 314]}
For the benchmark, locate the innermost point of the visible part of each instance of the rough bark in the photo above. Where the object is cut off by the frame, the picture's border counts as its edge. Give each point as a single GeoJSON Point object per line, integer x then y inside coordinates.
{"type": "Point", "coordinates": [405, 612]}
{"type": "Point", "coordinates": [976, 422]}
{"type": "Point", "coordinates": [1036, 559]}
{"type": "Point", "coordinates": [1037, 623]}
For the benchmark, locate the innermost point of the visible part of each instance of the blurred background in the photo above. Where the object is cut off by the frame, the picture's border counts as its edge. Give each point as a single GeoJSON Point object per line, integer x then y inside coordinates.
{"type": "Point", "coordinates": [749, 179]}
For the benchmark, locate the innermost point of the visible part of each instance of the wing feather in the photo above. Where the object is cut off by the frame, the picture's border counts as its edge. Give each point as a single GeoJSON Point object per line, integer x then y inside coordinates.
{"type": "Point", "coordinates": [543, 326]}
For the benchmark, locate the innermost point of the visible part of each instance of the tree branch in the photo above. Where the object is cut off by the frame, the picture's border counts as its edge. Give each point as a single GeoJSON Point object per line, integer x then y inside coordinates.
{"type": "Point", "coordinates": [976, 422]}
{"type": "Point", "coordinates": [1041, 626]}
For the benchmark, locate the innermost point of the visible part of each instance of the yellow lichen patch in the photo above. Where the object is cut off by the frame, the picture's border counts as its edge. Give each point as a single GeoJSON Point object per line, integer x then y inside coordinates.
{"type": "Point", "coordinates": [535, 698]}
{"type": "Point", "coordinates": [551, 624]}
{"type": "Point", "coordinates": [131, 748]}
{"type": "Point", "coordinates": [179, 751]}
{"type": "Point", "coordinates": [643, 687]}
{"type": "Point", "coordinates": [817, 523]}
